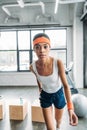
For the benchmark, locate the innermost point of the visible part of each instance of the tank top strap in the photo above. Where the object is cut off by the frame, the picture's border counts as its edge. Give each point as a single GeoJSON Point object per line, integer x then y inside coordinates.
{"type": "Point", "coordinates": [55, 65]}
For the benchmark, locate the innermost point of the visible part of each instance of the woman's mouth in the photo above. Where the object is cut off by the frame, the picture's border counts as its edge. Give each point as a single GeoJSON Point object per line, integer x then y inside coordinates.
{"type": "Point", "coordinates": [42, 55]}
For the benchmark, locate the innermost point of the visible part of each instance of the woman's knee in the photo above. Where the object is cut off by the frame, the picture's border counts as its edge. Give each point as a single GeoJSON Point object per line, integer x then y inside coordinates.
{"type": "Point", "coordinates": [58, 116]}
{"type": "Point", "coordinates": [48, 116]}
{"type": "Point", "coordinates": [50, 128]}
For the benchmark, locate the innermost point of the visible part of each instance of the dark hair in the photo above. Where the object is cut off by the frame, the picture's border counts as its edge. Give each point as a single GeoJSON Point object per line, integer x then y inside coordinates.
{"type": "Point", "coordinates": [41, 35]}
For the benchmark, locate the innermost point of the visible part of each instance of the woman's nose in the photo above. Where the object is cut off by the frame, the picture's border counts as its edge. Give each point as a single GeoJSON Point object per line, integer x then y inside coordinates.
{"type": "Point", "coordinates": [41, 48]}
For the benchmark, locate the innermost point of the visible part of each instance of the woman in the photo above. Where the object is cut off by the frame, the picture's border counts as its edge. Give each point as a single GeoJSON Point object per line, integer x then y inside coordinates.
{"type": "Point", "coordinates": [49, 71]}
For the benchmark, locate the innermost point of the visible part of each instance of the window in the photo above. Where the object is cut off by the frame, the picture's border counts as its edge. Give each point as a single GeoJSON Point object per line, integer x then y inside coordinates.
{"type": "Point", "coordinates": [57, 37]}
{"type": "Point", "coordinates": [23, 50]}
{"type": "Point", "coordinates": [58, 43]}
{"type": "Point", "coordinates": [8, 52]}
{"type": "Point", "coordinates": [16, 50]}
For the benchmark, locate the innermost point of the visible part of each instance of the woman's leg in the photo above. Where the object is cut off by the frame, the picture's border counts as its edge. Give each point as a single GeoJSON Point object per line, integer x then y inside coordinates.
{"type": "Point", "coordinates": [58, 116]}
{"type": "Point", "coordinates": [48, 116]}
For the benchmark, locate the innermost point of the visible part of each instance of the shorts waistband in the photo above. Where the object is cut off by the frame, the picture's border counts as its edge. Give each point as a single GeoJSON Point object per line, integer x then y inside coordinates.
{"type": "Point", "coordinates": [54, 92]}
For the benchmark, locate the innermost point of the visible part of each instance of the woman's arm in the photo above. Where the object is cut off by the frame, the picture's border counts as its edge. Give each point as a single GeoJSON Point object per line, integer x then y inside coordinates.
{"type": "Point", "coordinates": [72, 116]}
{"type": "Point", "coordinates": [39, 84]}
{"type": "Point", "coordinates": [64, 80]}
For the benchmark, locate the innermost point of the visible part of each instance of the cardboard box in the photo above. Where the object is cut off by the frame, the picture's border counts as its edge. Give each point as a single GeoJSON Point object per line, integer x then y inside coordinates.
{"type": "Point", "coordinates": [17, 110]}
{"type": "Point", "coordinates": [37, 114]}
{"type": "Point", "coordinates": [1, 109]}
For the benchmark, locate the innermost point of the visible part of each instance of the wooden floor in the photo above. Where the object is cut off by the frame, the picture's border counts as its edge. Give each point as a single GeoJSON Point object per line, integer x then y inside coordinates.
{"type": "Point", "coordinates": [31, 94]}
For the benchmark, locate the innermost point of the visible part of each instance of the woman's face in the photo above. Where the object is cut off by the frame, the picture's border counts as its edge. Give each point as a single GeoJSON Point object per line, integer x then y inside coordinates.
{"type": "Point", "coordinates": [42, 50]}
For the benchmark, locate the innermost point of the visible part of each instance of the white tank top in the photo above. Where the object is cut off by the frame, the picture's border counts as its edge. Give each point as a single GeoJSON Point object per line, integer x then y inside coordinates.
{"type": "Point", "coordinates": [50, 83]}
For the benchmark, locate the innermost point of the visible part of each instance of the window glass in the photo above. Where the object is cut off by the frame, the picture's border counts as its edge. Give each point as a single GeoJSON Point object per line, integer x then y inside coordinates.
{"type": "Point", "coordinates": [57, 38]}
{"type": "Point", "coordinates": [23, 40]}
{"type": "Point", "coordinates": [59, 54]}
{"type": "Point", "coordinates": [8, 40]}
{"type": "Point", "coordinates": [34, 56]}
{"type": "Point", "coordinates": [8, 61]}
{"type": "Point", "coordinates": [24, 60]}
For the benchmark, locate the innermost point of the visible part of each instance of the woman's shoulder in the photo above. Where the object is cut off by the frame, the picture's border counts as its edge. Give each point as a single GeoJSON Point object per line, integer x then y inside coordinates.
{"type": "Point", "coordinates": [59, 61]}
{"type": "Point", "coordinates": [31, 67]}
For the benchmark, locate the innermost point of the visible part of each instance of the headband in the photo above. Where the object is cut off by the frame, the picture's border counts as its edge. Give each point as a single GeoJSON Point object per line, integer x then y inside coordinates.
{"type": "Point", "coordinates": [41, 40]}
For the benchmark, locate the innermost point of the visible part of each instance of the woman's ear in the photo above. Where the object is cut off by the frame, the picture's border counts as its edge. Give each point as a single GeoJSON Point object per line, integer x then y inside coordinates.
{"type": "Point", "coordinates": [50, 47]}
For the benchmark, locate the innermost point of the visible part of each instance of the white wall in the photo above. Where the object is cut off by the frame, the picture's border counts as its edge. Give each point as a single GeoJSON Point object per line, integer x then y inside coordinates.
{"type": "Point", "coordinates": [69, 45]}
{"type": "Point", "coordinates": [78, 52]}
{"type": "Point", "coordinates": [19, 79]}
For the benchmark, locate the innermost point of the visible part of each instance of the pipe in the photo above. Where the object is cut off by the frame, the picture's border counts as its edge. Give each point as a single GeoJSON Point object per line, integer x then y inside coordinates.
{"type": "Point", "coordinates": [6, 10]}
{"type": "Point", "coordinates": [66, 2]}
{"type": "Point", "coordinates": [5, 7]}
{"type": "Point", "coordinates": [21, 3]}
{"type": "Point", "coordinates": [56, 6]}
{"type": "Point", "coordinates": [36, 4]}
{"type": "Point", "coordinates": [70, 1]}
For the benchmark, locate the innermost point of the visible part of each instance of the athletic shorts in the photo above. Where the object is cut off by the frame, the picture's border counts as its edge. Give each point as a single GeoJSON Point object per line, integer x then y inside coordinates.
{"type": "Point", "coordinates": [48, 99]}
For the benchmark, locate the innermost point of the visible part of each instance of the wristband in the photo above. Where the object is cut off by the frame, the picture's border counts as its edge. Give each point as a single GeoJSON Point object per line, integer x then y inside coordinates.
{"type": "Point", "coordinates": [70, 106]}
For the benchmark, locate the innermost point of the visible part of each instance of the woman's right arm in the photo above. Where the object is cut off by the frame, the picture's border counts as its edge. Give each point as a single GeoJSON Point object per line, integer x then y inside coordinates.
{"type": "Point", "coordinates": [39, 84]}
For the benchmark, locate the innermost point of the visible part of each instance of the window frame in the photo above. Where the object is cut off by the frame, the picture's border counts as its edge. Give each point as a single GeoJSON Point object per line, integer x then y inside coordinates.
{"type": "Point", "coordinates": [30, 51]}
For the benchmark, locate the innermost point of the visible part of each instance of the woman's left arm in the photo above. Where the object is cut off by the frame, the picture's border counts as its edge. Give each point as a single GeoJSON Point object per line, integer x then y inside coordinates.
{"type": "Point", "coordinates": [72, 116]}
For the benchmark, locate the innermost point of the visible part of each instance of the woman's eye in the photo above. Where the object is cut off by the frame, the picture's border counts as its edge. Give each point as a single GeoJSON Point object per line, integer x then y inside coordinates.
{"type": "Point", "coordinates": [37, 47]}
{"type": "Point", "coordinates": [45, 47]}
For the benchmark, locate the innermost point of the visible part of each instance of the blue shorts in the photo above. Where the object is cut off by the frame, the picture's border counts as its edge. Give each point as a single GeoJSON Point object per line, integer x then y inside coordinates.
{"type": "Point", "coordinates": [57, 98]}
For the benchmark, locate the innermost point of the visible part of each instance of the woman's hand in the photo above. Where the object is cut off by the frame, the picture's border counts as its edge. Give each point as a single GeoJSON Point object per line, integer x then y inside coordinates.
{"type": "Point", "coordinates": [73, 118]}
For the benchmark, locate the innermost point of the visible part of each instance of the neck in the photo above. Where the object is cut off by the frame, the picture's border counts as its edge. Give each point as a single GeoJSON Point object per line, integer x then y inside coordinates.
{"type": "Point", "coordinates": [44, 61]}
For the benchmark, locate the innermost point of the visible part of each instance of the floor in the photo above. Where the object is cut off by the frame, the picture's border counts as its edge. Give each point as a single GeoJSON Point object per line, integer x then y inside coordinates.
{"type": "Point", "coordinates": [31, 94]}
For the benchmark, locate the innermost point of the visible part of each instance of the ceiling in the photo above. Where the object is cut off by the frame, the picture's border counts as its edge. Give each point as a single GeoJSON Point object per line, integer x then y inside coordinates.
{"type": "Point", "coordinates": [35, 11]}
